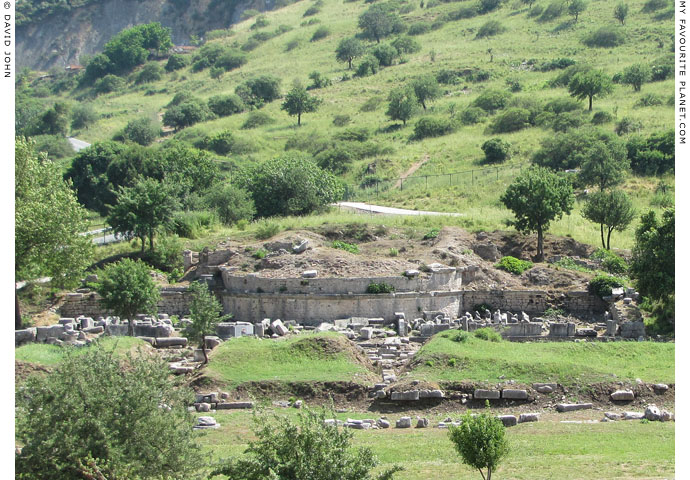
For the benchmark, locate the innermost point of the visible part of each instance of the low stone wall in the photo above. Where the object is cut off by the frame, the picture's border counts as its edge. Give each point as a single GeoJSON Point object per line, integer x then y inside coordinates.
{"type": "Point", "coordinates": [253, 283]}
{"type": "Point", "coordinates": [173, 301]}
{"type": "Point", "coordinates": [314, 309]}
{"type": "Point", "coordinates": [532, 302]}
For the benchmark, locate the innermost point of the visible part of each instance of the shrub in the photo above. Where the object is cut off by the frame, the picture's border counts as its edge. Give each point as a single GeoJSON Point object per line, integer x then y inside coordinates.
{"type": "Point", "coordinates": [380, 288]}
{"type": "Point", "coordinates": [565, 121]}
{"type": "Point", "coordinates": [552, 11]}
{"type": "Point", "coordinates": [488, 334]}
{"type": "Point", "coordinates": [514, 265]}
{"type": "Point", "coordinates": [491, 100]}
{"type": "Point", "coordinates": [605, 37]}
{"type": "Point", "coordinates": [313, 10]}
{"type": "Point", "coordinates": [230, 59]}
{"type": "Point", "coordinates": [600, 118]}
{"type": "Point", "coordinates": [627, 125]}
{"type": "Point", "coordinates": [224, 105]}
{"type": "Point", "coordinates": [486, 6]}
{"type": "Point", "coordinates": [176, 62]}
{"type": "Point", "coordinates": [472, 115]}
{"type": "Point", "coordinates": [292, 44]}
{"type": "Point", "coordinates": [371, 104]}
{"type": "Point", "coordinates": [336, 160]}
{"type": "Point", "coordinates": [560, 105]}
{"type": "Point", "coordinates": [348, 247]}
{"type": "Point", "coordinates": [481, 307]}
{"type": "Point", "coordinates": [193, 223]}
{"type": "Point", "coordinates": [601, 285]}
{"type": "Point", "coordinates": [368, 66]}
{"type": "Point", "coordinates": [433, 127]}
{"type": "Point", "coordinates": [557, 64]}
{"type": "Point", "coordinates": [611, 262]}
{"type": "Point", "coordinates": [319, 33]}
{"type": "Point", "coordinates": [511, 120]}
{"type": "Point", "coordinates": [535, 11]}
{"type": "Point", "coordinates": [405, 44]}
{"type": "Point", "coordinates": [649, 100]}
{"type": "Point", "coordinates": [260, 22]}
{"type": "Point", "coordinates": [225, 142]}
{"type": "Point", "coordinates": [151, 72]}
{"type": "Point", "coordinates": [55, 146]}
{"type": "Point", "coordinates": [318, 80]}
{"type": "Point", "coordinates": [250, 44]}
{"type": "Point", "coordinates": [63, 441]}
{"type": "Point", "coordinates": [266, 229]}
{"type": "Point", "coordinates": [83, 115]}
{"type": "Point", "coordinates": [490, 29]}
{"type": "Point", "coordinates": [341, 120]}
{"type": "Point", "coordinates": [259, 90]}
{"type": "Point", "coordinates": [142, 131]}
{"type": "Point", "coordinates": [355, 134]}
{"type": "Point", "coordinates": [256, 119]}
{"type": "Point", "coordinates": [385, 54]}
{"type": "Point", "coordinates": [186, 114]}
{"type": "Point", "coordinates": [168, 254]}
{"type": "Point", "coordinates": [109, 83]}
{"type": "Point", "coordinates": [418, 28]}
{"type": "Point", "coordinates": [654, 5]}
{"type": "Point", "coordinates": [433, 233]}
{"type": "Point", "coordinates": [496, 150]}
{"type": "Point", "coordinates": [461, 13]}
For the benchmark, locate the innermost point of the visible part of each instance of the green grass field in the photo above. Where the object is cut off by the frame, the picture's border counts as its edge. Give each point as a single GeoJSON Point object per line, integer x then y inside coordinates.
{"type": "Point", "coordinates": [543, 450]}
{"type": "Point", "coordinates": [452, 46]}
{"type": "Point", "coordinates": [318, 358]}
{"type": "Point", "coordinates": [49, 355]}
{"type": "Point", "coordinates": [567, 363]}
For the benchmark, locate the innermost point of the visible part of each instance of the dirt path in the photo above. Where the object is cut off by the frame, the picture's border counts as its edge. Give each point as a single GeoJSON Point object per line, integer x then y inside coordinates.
{"type": "Point", "coordinates": [412, 169]}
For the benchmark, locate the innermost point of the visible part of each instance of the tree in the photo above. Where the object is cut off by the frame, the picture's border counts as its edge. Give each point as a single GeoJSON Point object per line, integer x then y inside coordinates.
{"type": "Point", "coordinates": [54, 121]}
{"type": "Point", "coordinates": [126, 288]}
{"type": "Point", "coordinates": [204, 311]}
{"type": "Point", "coordinates": [83, 115]}
{"type": "Point", "coordinates": [230, 203]}
{"type": "Point", "coordinates": [176, 62]}
{"type": "Point", "coordinates": [496, 150]}
{"type": "Point", "coordinates": [620, 13]}
{"type": "Point", "coordinates": [259, 90]}
{"type": "Point", "coordinates": [594, 83]}
{"type": "Point", "coordinates": [603, 165]}
{"type": "Point", "coordinates": [224, 105]}
{"type": "Point", "coordinates": [528, 2]}
{"type": "Point", "coordinates": [377, 22]}
{"type": "Point", "coordinates": [653, 255]}
{"type": "Point", "coordinates": [426, 88]}
{"type": "Point", "coordinates": [186, 114]}
{"type": "Point", "coordinates": [48, 221]}
{"type": "Point", "coordinates": [537, 197]}
{"type": "Point", "coordinates": [636, 75]}
{"type": "Point", "coordinates": [131, 46]}
{"type": "Point", "coordinates": [307, 449]}
{"type": "Point", "coordinates": [385, 54]}
{"type": "Point", "coordinates": [480, 441]}
{"type": "Point", "coordinates": [291, 184]}
{"type": "Point", "coordinates": [612, 209]}
{"type": "Point", "coordinates": [142, 130]}
{"type": "Point", "coordinates": [576, 7]}
{"type": "Point", "coordinates": [298, 101]}
{"type": "Point", "coordinates": [571, 149]}
{"type": "Point", "coordinates": [122, 417]}
{"type": "Point", "coordinates": [402, 103]}
{"type": "Point", "coordinates": [150, 72]}
{"type": "Point", "coordinates": [142, 209]}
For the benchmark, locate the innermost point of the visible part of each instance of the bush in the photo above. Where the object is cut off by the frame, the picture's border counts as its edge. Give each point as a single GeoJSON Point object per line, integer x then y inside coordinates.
{"type": "Point", "coordinates": [490, 29]}
{"type": "Point", "coordinates": [605, 37]}
{"type": "Point", "coordinates": [611, 262]}
{"type": "Point", "coordinates": [260, 22]}
{"type": "Point", "coordinates": [405, 44]}
{"type": "Point", "coordinates": [552, 11]}
{"type": "Point", "coordinates": [565, 121]}
{"type": "Point", "coordinates": [109, 83]}
{"type": "Point", "coordinates": [341, 120]}
{"type": "Point", "coordinates": [486, 6]}
{"type": "Point", "coordinates": [368, 66]}
{"type": "Point", "coordinates": [419, 28]}
{"type": "Point", "coordinates": [488, 334]}
{"type": "Point", "coordinates": [231, 204]}
{"type": "Point", "coordinates": [318, 80]}
{"type": "Point", "coordinates": [481, 307]}
{"type": "Point", "coordinates": [142, 131]}
{"type": "Point", "coordinates": [382, 287]}
{"type": "Point", "coordinates": [535, 11]}
{"type": "Point", "coordinates": [186, 114]}
{"type": "Point", "coordinates": [224, 105]}
{"type": "Point", "coordinates": [601, 285]}
{"type": "Point", "coordinates": [256, 119]}
{"type": "Point", "coordinates": [55, 146]}
{"type": "Point", "coordinates": [336, 160]}
{"type": "Point", "coordinates": [83, 115]}
{"type": "Point", "coordinates": [600, 118]}
{"type": "Point", "coordinates": [472, 115]}
{"type": "Point", "coordinates": [561, 105]}
{"type": "Point", "coordinates": [225, 142]}
{"type": "Point", "coordinates": [557, 64]}
{"type": "Point", "coordinates": [266, 229]}
{"type": "Point", "coordinates": [433, 127]}
{"type": "Point", "coordinates": [627, 125]}
{"type": "Point", "coordinates": [385, 54]}
{"type": "Point", "coordinates": [348, 247]}
{"type": "Point", "coordinates": [371, 104]}
{"type": "Point", "coordinates": [193, 223]}
{"type": "Point", "coordinates": [491, 100]}
{"type": "Point", "coordinates": [313, 10]}
{"type": "Point", "coordinates": [259, 90]}
{"type": "Point", "coordinates": [168, 254]}
{"type": "Point", "coordinates": [68, 431]}
{"type": "Point", "coordinates": [514, 265]}
{"type": "Point", "coordinates": [431, 234]}
{"type": "Point", "coordinates": [649, 100]}
{"type": "Point", "coordinates": [496, 150]}
{"type": "Point", "coordinates": [511, 120]}
{"type": "Point", "coordinates": [151, 72]}
{"type": "Point", "coordinates": [292, 44]}
{"type": "Point", "coordinates": [230, 59]}
{"type": "Point", "coordinates": [462, 13]}
{"type": "Point", "coordinates": [654, 5]}
{"type": "Point", "coordinates": [319, 33]}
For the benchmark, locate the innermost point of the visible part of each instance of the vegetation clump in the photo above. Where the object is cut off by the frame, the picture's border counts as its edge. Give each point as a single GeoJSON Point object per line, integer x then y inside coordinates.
{"type": "Point", "coordinates": [488, 334]}
{"type": "Point", "coordinates": [602, 285]}
{"type": "Point", "coordinates": [348, 247]}
{"type": "Point", "coordinates": [514, 265]}
{"type": "Point", "coordinates": [380, 288]}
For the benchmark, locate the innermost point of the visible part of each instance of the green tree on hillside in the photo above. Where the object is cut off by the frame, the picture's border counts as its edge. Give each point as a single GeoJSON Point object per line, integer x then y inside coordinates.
{"type": "Point", "coordinates": [480, 440]}
{"type": "Point", "coordinates": [378, 21]}
{"type": "Point", "coordinates": [204, 311]}
{"type": "Point", "coordinates": [576, 7]}
{"type": "Point", "coordinates": [620, 13]}
{"type": "Point", "coordinates": [48, 221]}
{"type": "Point", "coordinates": [142, 130]}
{"type": "Point", "coordinates": [117, 418]}
{"type": "Point", "coordinates": [126, 288]}
{"type": "Point", "coordinates": [636, 75]}
{"type": "Point", "coordinates": [537, 197]}
{"type": "Point", "coordinates": [142, 209]}
{"type": "Point", "coordinates": [612, 209]}
{"type": "Point", "coordinates": [298, 101]}
{"type": "Point", "coordinates": [594, 83]}
{"type": "Point", "coordinates": [426, 89]}
{"type": "Point", "coordinates": [348, 49]}
{"type": "Point", "coordinates": [603, 165]}
{"type": "Point", "coordinates": [401, 104]}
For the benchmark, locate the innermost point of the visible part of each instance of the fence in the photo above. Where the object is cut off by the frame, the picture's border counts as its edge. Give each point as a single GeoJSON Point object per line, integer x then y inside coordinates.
{"type": "Point", "coordinates": [474, 177]}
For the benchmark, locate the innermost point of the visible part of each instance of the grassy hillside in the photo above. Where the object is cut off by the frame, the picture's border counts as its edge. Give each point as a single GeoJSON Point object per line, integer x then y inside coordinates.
{"type": "Point", "coordinates": [318, 358]}
{"type": "Point", "coordinates": [514, 57]}
{"type": "Point", "coordinates": [48, 355]}
{"type": "Point", "coordinates": [444, 358]}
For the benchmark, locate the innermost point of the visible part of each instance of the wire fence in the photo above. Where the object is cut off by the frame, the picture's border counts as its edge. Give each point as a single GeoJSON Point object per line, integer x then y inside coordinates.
{"type": "Point", "coordinates": [476, 177]}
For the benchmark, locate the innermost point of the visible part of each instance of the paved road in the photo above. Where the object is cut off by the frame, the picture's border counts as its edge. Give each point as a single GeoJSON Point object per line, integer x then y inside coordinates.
{"type": "Point", "coordinates": [78, 144]}
{"type": "Point", "coordinates": [365, 207]}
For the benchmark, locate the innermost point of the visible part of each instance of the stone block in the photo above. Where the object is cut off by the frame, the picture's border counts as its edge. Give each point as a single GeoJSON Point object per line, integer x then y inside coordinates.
{"type": "Point", "coordinates": [116, 330]}
{"type": "Point", "coordinates": [24, 336]}
{"type": "Point", "coordinates": [623, 395]}
{"type": "Point", "coordinates": [652, 413]}
{"type": "Point", "coordinates": [150, 340]}
{"type": "Point", "coordinates": [366, 333]}
{"type": "Point", "coordinates": [203, 407]}
{"type": "Point", "coordinates": [234, 405]}
{"type": "Point", "coordinates": [571, 407]}
{"type": "Point", "coordinates": [508, 420]}
{"type": "Point", "coordinates": [481, 394]}
{"type": "Point", "coordinates": [514, 394]}
{"type": "Point", "coordinates": [383, 423]}
{"type": "Point", "coordinates": [660, 387]}
{"type": "Point", "coordinates": [203, 423]}
{"type": "Point", "coordinates": [558, 330]}
{"type": "Point", "coordinates": [528, 417]}
{"type": "Point", "coordinates": [259, 330]}
{"type": "Point", "coordinates": [411, 273]}
{"type": "Point", "coordinates": [309, 274]}
{"type": "Point", "coordinates": [212, 342]}
{"type": "Point", "coordinates": [585, 332]}
{"type": "Point", "coordinates": [86, 322]}
{"type": "Point", "coordinates": [611, 328]}
{"type": "Point", "coordinates": [66, 321]}
{"type": "Point", "coordinates": [633, 415]}
{"type": "Point", "coordinates": [422, 423]}
{"type": "Point", "coordinates": [666, 416]}
{"type": "Point", "coordinates": [430, 394]}
{"type": "Point", "coordinates": [402, 327]}
{"type": "Point", "coordinates": [303, 245]}
{"type": "Point", "coordinates": [411, 395]}
{"type": "Point", "coordinates": [278, 327]}
{"type": "Point", "coordinates": [211, 397]}
{"type": "Point", "coordinates": [403, 422]}
{"type": "Point", "coordinates": [545, 387]}
{"type": "Point", "coordinates": [171, 342]}
{"type": "Point", "coordinates": [51, 331]}
{"type": "Point", "coordinates": [199, 355]}
{"type": "Point", "coordinates": [94, 330]}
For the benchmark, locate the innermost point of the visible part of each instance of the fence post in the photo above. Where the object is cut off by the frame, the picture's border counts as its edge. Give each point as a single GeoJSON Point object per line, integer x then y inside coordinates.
{"type": "Point", "coordinates": [450, 179]}
{"type": "Point", "coordinates": [377, 189]}
{"type": "Point", "coordinates": [496, 173]}
{"type": "Point", "coordinates": [426, 178]}
{"type": "Point", "coordinates": [472, 177]}
{"type": "Point", "coordinates": [402, 180]}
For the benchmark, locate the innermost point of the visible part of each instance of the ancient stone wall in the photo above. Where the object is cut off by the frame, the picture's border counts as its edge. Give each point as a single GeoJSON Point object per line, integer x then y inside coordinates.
{"type": "Point", "coordinates": [173, 301]}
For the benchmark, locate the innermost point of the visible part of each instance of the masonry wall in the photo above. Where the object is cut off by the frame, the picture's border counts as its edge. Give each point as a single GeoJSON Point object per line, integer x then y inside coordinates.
{"type": "Point", "coordinates": [173, 301]}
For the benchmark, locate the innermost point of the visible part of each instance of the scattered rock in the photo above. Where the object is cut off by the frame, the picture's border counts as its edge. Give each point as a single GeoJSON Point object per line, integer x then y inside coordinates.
{"type": "Point", "coordinates": [403, 422]}
{"type": "Point", "coordinates": [623, 395]}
